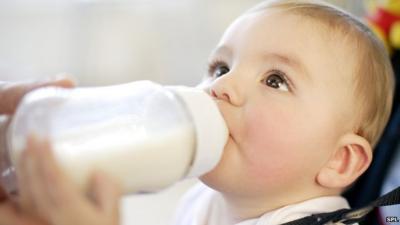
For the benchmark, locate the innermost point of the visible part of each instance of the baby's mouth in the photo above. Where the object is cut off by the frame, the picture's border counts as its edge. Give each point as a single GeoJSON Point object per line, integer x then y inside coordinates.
{"type": "Point", "coordinates": [233, 139]}
{"type": "Point", "coordinates": [220, 103]}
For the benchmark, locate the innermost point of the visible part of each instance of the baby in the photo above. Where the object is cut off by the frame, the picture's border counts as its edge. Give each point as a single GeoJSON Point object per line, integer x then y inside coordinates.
{"type": "Point", "coordinates": [306, 91]}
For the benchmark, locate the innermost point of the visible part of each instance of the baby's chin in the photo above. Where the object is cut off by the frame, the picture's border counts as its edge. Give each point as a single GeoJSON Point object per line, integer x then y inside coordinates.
{"type": "Point", "coordinates": [214, 181]}
{"type": "Point", "coordinates": [210, 179]}
{"type": "Point", "coordinates": [207, 178]}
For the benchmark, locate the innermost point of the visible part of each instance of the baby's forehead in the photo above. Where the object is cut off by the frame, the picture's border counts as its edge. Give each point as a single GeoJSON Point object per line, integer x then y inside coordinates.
{"type": "Point", "coordinates": [306, 31]}
{"type": "Point", "coordinates": [332, 27]}
{"type": "Point", "coordinates": [327, 53]}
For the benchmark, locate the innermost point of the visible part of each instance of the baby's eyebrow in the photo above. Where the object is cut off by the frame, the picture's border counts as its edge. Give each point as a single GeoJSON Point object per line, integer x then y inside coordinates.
{"type": "Point", "coordinates": [292, 61]}
{"type": "Point", "coordinates": [222, 50]}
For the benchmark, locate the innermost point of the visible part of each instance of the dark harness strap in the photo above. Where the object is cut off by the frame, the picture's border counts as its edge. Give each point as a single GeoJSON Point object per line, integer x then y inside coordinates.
{"type": "Point", "coordinates": [349, 216]}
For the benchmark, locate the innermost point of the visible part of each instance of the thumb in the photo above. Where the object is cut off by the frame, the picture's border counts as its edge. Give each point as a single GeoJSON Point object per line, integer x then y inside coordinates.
{"type": "Point", "coordinates": [12, 93]}
{"type": "Point", "coordinates": [106, 193]}
{"type": "Point", "coordinates": [61, 80]}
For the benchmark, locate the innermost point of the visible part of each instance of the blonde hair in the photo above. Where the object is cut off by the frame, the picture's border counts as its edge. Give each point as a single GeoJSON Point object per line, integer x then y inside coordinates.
{"type": "Point", "coordinates": [374, 78]}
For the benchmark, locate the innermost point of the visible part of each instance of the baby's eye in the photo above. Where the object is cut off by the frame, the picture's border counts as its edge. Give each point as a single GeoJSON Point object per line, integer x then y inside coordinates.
{"type": "Point", "coordinates": [218, 69]}
{"type": "Point", "coordinates": [277, 81]}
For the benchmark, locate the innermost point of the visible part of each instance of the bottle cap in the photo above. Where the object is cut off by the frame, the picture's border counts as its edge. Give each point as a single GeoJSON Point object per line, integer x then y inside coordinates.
{"type": "Point", "coordinates": [210, 128]}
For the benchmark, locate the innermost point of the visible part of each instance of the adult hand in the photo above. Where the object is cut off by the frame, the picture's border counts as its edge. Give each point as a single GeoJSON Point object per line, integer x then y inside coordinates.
{"type": "Point", "coordinates": [11, 215]}
{"type": "Point", "coordinates": [46, 192]}
{"type": "Point", "coordinates": [11, 94]}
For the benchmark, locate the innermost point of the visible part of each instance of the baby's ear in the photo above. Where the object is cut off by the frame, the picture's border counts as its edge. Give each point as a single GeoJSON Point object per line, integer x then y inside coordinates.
{"type": "Point", "coordinates": [350, 159]}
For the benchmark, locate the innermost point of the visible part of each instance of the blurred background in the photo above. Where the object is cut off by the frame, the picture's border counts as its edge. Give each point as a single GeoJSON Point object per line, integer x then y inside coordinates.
{"type": "Point", "coordinates": [104, 42]}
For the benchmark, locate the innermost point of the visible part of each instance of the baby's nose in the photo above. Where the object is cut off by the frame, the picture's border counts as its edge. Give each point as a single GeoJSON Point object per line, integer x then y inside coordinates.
{"type": "Point", "coordinates": [226, 89]}
{"type": "Point", "coordinates": [222, 96]}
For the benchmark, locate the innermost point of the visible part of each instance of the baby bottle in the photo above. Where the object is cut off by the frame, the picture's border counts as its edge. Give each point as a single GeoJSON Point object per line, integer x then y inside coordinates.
{"type": "Point", "coordinates": [145, 135]}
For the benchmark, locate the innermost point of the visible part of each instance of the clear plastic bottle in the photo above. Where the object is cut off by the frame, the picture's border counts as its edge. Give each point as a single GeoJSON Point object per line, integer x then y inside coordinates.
{"type": "Point", "coordinates": [145, 135]}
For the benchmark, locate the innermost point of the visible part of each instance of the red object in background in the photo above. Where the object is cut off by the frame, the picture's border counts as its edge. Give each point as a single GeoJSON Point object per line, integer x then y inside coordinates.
{"type": "Point", "coordinates": [383, 19]}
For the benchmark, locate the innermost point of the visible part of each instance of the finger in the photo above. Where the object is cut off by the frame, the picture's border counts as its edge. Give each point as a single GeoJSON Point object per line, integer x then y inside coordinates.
{"type": "Point", "coordinates": [60, 188]}
{"type": "Point", "coordinates": [106, 193]}
{"type": "Point", "coordinates": [33, 189]}
{"type": "Point", "coordinates": [12, 93]}
{"type": "Point", "coordinates": [54, 194]}
{"type": "Point", "coordinates": [59, 200]}
{"type": "Point", "coordinates": [37, 197]}
{"type": "Point", "coordinates": [38, 179]}
{"type": "Point", "coordinates": [9, 215]}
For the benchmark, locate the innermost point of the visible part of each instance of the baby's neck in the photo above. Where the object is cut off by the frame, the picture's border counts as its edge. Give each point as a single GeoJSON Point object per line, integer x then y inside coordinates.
{"type": "Point", "coordinates": [241, 208]}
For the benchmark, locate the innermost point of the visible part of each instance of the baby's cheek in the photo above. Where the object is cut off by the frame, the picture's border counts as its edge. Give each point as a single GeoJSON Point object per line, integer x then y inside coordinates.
{"type": "Point", "coordinates": [270, 143]}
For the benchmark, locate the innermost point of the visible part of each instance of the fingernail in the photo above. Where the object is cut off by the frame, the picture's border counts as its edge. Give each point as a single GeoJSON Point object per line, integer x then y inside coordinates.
{"type": "Point", "coordinates": [65, 76]}
{"type": "Point", "coordinates": [62, 76]}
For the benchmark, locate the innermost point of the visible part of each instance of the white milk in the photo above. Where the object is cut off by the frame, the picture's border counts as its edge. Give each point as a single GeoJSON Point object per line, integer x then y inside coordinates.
{"type": "Point", "coordinates": [138, 163]}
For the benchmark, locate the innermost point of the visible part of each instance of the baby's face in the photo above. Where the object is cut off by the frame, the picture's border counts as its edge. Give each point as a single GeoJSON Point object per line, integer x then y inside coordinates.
{"type": "Point", "coordinates": [283, 84]}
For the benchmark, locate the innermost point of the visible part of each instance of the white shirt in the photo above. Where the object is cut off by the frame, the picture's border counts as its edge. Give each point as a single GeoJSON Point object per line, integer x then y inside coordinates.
{"type": "Point", "coordinates": [204, 206]}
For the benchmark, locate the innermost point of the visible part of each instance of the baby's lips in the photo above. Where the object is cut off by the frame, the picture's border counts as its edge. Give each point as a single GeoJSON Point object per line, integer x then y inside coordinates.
{"type": "Point", "coordinates": [222, 106]}
{"type": "Point", "coordinates": [228, 124]}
